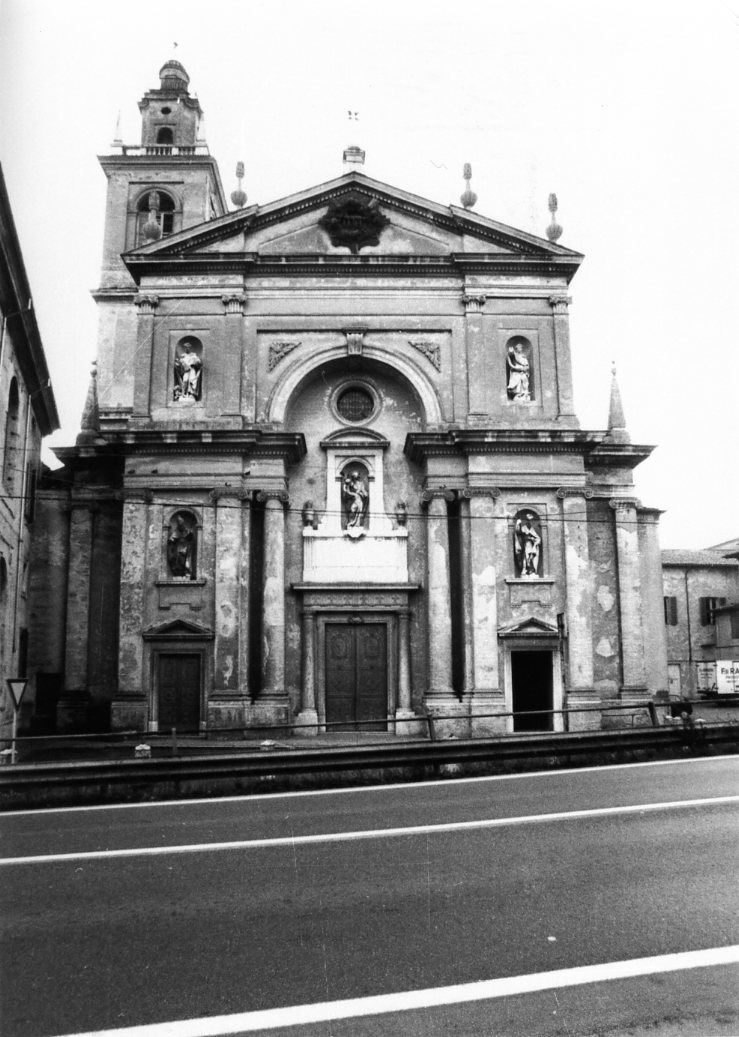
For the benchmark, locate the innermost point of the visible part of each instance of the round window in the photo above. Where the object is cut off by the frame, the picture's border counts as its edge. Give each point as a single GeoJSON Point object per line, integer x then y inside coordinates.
{"type": "Point", "coordinates": [355, 404]}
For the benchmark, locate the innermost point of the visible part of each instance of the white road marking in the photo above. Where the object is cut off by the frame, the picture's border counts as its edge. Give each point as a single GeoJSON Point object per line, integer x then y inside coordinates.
{"type": "Point", "coordinates": [269, 796]}
{"type": "Point", "coordinates": [381, 833]}
{"type": "Point", "coordinates": [410, 1000]}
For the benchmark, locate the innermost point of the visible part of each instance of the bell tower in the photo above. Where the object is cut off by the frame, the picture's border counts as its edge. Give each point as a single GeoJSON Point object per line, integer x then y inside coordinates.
{"type": "Point", "coordinates": [166, 183]}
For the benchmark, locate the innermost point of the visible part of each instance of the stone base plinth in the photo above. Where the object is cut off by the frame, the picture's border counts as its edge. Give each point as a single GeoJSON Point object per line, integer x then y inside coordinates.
{"type": "Point", "coordinates": [589, 719]}
{"type": "Point", "coordinates": [225, 713]}
{"type": "Point", "coordinates": [129, 714]}
{"type": "Point", "coordinates": [409, 725]}
{"type": "Point", "coordinates": [268, 713]}
{"type": "Point", "coordinates": [483, 707]}
{"type": "Point", "coordinates": [450, 717]}
{"type": "Point", "coordinates": [72, 712]}
{"type": "Point", "coordinates": [306, 724]}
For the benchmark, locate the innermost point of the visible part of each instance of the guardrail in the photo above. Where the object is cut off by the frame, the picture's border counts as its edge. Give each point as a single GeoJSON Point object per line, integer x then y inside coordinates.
{"type": "Point", "coordinates": [224, 773]}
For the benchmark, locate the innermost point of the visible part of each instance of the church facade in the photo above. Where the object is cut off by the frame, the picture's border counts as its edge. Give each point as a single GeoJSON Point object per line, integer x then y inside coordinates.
{"type": "Point", "coordinates": [330, 472]}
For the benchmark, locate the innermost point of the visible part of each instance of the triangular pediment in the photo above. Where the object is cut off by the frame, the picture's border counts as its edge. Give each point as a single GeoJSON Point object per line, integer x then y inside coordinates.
{"type": "Point", "coordinates": [352, 217]}
{"type": "Point", "coordinates": [177, 630]}
{"type": "Point", "coordinates": [531, 627]}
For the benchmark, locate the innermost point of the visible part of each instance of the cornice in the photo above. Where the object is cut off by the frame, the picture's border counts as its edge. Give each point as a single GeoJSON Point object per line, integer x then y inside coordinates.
{"type": "Point", "coordinates": [366, 266]}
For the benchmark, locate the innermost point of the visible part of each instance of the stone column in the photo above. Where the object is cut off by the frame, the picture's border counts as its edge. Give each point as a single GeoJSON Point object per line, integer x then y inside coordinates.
{"type": "Point", "coordinates": [562, 357]}
{"type": "Point", "coordinates": [274, 694]}
{"type": "Point", "coordinates": [147, 305]}
{"type": "Point", "coordinates": [629, 598]}
{"type": "Point", "coordinates": [231, 601]}
{"type": "Point", "coordinates": [308, 714]}
{"type": "Point", "coordinates": [233, 352]}
{"type": "Point", "coordinates": [477, 361]}
{"type": "Point", "coordinates": [129, 706]}
{"type": "Point", "coordinates": [579, 587]}
{"type": "Point", "coordinates": [487, 695]}
{"type": "Point", "coordinates": [404, 725]}
{"type": "Point", "coordinates": [655, 630]}
{"type": "Point", "coordinates": [440, 692]}
{"type": "Point", "coordinates": [71, 708]}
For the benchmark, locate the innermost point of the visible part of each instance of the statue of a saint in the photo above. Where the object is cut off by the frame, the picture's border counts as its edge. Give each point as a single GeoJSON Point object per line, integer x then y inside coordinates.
{"type": "Point", "coordinates": [518, 374]}
{"type": "Point", "coordinates": [181, 547]}
{"type": "Point", "coordinates": [526, 544]}
{"type": "Point", "coordinates": [355, 496]}
{"type": "Point", "coordinates": [188, 368]}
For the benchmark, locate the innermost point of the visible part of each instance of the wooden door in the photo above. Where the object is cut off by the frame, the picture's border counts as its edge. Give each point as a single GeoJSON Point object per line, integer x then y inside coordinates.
{"type": "Point", "coordinates": [179, 692]}
{"type": "Point", "coordinates": [356, 675]}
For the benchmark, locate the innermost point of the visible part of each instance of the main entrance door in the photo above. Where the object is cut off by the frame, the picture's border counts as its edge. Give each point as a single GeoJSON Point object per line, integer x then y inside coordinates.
{"type": "Point", "coordinates": [179, 692]}
{"type": "Point", "coordinates": [356, 675]}
{"type": "Point", "coordinates": [531, 675]}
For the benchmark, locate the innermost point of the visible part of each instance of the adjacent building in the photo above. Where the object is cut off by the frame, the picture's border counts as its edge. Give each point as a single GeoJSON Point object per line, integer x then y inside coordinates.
{"type": "Point", "coordinates": [330, 471]}
{"type": "Point", "coordinates": [701, 608]}
{"type": "Point", "coordinates": [27, 413]}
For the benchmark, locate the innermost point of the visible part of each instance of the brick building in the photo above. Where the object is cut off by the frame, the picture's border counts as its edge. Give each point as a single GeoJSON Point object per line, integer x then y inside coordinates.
{"type": "Point", "coordinates": [330, 469]}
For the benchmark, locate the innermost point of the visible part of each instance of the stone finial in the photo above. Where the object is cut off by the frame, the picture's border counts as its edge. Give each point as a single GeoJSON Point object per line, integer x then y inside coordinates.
{"type": "Point", "coordinates": [90, 424]}
{"type": "Point", "coordinates": [238, 197]}
{"type": "Point", "coordinates": [152, 230]}
{"type": "Point", "coordinates": [554, 230]}
{"type": "Point", "coordinates": [616, 419]}
{"type": "Point", "coordinates": [354, 156]}
{"type": "Point", "coordinates": [468, 198]}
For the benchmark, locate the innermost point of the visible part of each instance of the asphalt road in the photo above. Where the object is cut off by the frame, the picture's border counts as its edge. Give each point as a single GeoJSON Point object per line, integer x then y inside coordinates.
{"type": "Point", "coordinates": [124, 916]}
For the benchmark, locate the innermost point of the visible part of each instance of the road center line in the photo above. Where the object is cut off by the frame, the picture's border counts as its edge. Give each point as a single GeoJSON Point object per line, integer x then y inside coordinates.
{"type": "Point", "coordinates": [327, 1011]}
{"type": "Point", "coordinates": [382, 833]}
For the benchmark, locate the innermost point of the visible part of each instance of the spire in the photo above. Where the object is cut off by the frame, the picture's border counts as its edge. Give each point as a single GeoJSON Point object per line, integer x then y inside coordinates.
{"type": "Point", "coordinates": [468, 198]}
{"type": "Point", "coordinates": [238, 197]}
{"type": "Point", "coordinates": [90, 424]}
{"type": "Point", "coordinates": [554, 231]}
{"type": "Point", "coordinates": [616, 420]}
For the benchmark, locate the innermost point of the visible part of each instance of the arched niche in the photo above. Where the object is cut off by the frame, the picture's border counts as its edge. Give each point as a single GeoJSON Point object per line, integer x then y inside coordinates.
{"type": "Point", "coordinates": [414, 379]}
{"type": "Point", "coordinates": [181, 542]}
{"type": "Point", "coordinates": [169, 212]}
{"type": "Point", "coordinates": [519, 369]}
{"type": "Point", "coordinates": [187, 370]}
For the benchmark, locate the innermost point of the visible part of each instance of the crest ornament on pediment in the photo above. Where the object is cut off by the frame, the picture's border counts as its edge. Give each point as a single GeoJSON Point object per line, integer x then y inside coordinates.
{"type": "Point", "coordinates": [353, 223]}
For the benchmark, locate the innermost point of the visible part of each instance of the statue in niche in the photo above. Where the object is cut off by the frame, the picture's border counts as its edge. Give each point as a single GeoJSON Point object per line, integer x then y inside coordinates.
{"type": "Point", "coordinates": [518, 373]}
{"type": "Point", "coordinates": [188, 369]}
{"type": "Point", "coordinates": [527, 543]}
{"type": "Point", "coordinates": [181, 544]}
{"type": "Point", "coordinates": [355, 497]}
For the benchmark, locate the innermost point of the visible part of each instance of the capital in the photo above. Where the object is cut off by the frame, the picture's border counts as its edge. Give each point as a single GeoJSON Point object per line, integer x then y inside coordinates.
{"type": "Point", "coordinates": [228, 492]}
{"type": "Point", "coordinates": [264, 496]}
{"type": "Point", "coordinates": [146, 303]}
{"type": "Point", "coordinates": [474, 303]}
{"type": "Point", "coordinates": [235, 303]}
{"type": "Point", "coordinates": [437, 493]}
{"type": "Point", "coordinates": [574, 491]}
{"type": "Point", "coordinates": [559, 303]}
{"type": "Point", "coordinates": [624, 503]}
{"type": "Point", "coordinates": [480, 491]}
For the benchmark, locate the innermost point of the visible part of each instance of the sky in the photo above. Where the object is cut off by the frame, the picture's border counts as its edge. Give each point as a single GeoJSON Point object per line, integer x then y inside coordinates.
{"type": "Point", "coordinates": [629, 111]}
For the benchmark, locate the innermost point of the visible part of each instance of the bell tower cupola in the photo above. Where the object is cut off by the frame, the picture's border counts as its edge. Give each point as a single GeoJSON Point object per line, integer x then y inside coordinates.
{"type": "Point", "coordinates": [170, 117]}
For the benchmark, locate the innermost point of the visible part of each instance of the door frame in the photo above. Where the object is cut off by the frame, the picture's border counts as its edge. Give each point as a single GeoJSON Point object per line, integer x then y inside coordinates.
{"type": "Point", "coordinates": [532, 644]}
{"type": "Point", "coordinates": [357, 618]}
{"type": "Point", "coordinates": [156, 654]}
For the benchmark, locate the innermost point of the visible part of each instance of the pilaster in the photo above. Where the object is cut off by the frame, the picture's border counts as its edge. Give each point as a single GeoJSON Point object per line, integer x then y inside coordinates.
{"type": "Point", "coordinates": [579, 603]}
{"type": "Point", "coordinates": [476, 358]}
{"type": "Point", "coordinates": [231, 600]}
{"type": "Point", "coordinates": [630, 597]}
{"type": "Point", "coordinates": [233, 351]}
{"type": "Point", "coordinates": [562, 355]}
{"type": "Point", "coordinates": [147, 305]}
{"type": "Point", "coordinates": [129, 707]}
{"type": "Point", "coordinates": [78, 595]}
{"type": "Point", "coordinates": [273, 624]}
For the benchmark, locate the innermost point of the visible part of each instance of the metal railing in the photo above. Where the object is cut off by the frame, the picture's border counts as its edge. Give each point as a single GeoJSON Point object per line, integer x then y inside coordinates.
{"type": "Point", "coordinates": [427, 726]}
